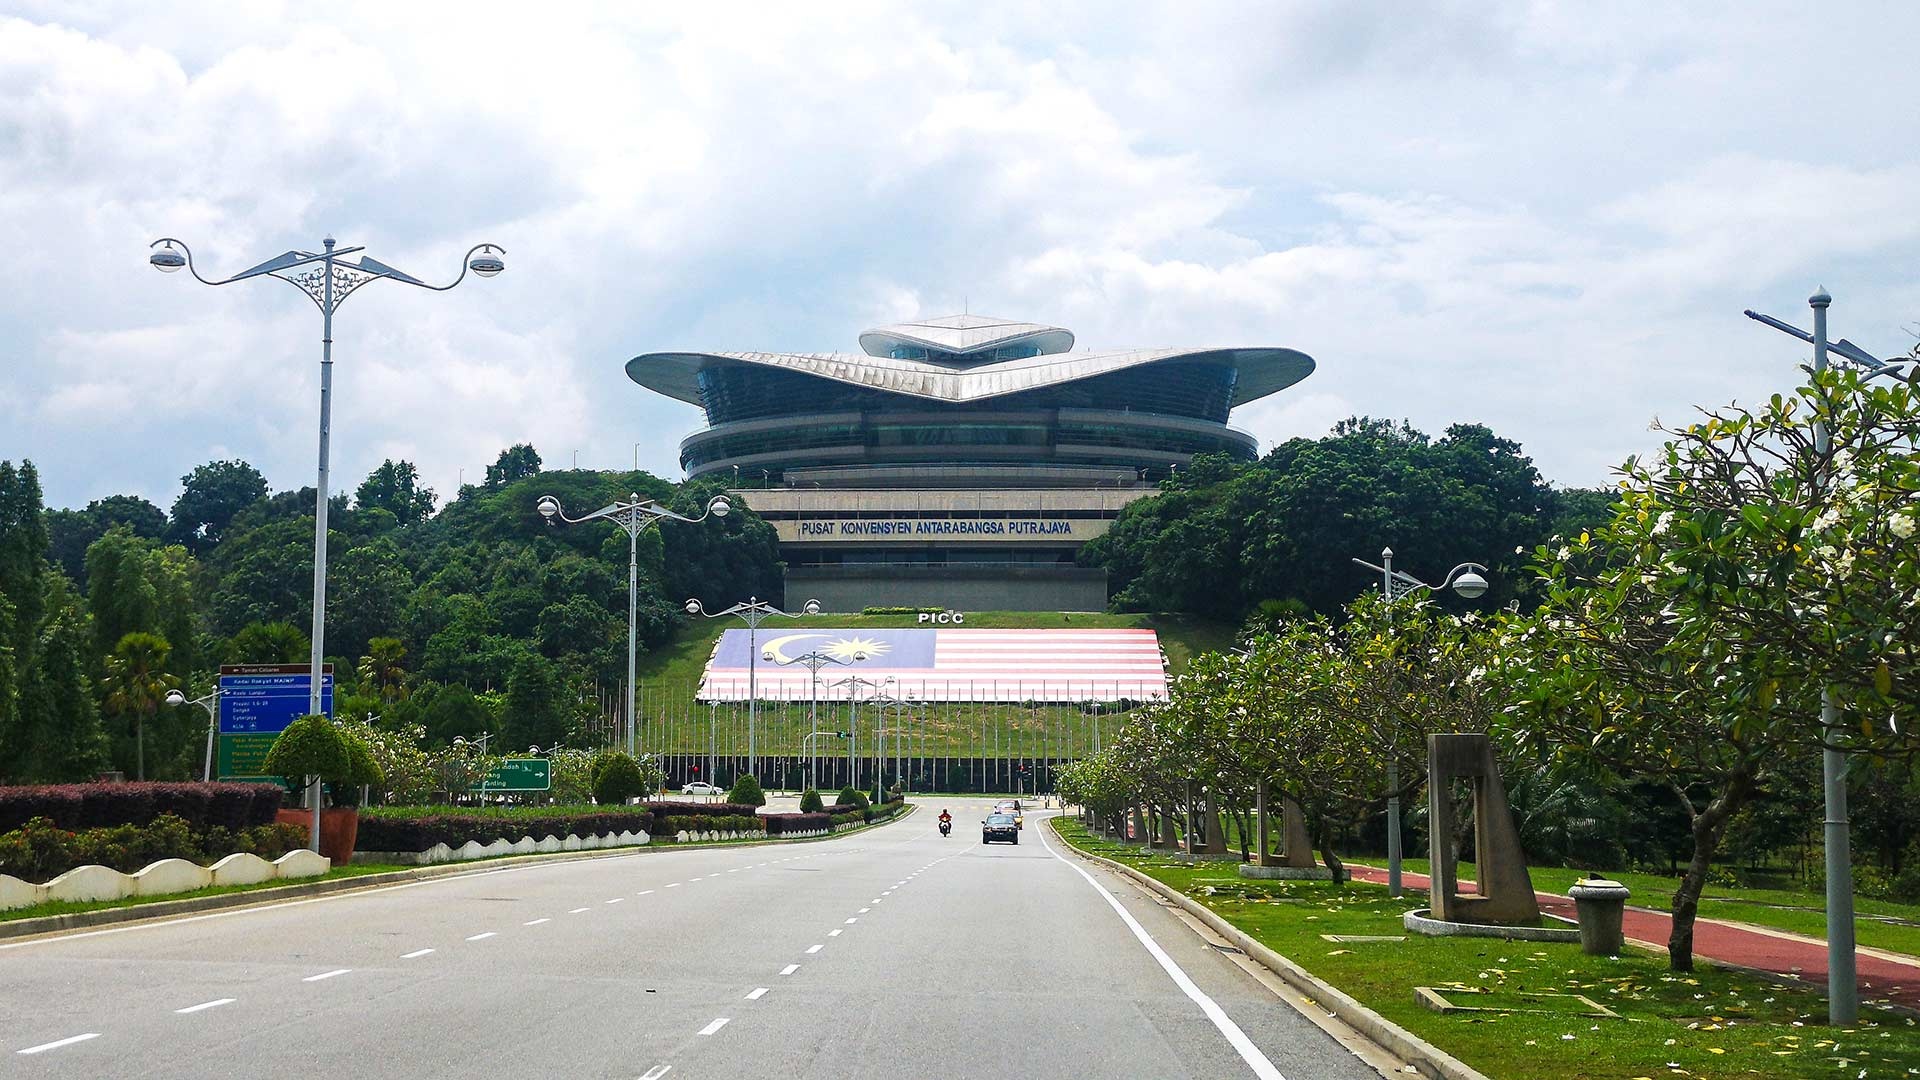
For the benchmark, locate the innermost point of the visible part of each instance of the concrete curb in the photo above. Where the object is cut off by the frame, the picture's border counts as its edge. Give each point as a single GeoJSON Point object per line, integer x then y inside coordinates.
{"type": "Point", "coordinates": [1389, 1036]}
{"type": "Point", "coordinates": [82, 920]}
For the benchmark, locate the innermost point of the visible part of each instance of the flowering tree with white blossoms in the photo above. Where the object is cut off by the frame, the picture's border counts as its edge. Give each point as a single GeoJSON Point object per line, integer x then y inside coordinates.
{"type": "Point", "coordinates": [1749, 566]}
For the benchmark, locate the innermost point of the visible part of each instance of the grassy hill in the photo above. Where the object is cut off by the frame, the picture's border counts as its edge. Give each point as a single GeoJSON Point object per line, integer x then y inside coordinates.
{"type": "Point", "coordinates": [673, 722]}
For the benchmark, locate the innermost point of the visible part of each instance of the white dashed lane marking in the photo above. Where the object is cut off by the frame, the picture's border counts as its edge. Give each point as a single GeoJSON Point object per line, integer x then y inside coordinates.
{"type": "Point", "coordinates": [814, 949]}
{"type": "Point", "coordinates": [415, 954]}
{"type": "Point", "coordinates": [656, 1072]}
{"type": "Point", "coordinates": [836, 933]}
{"type": "Point", "coordinates": [58, 1043]}
{"type": "Point", "coordinates": [535, 922]}
{"type": "Point", "coordinates": [790, 969]}
{"type": "Point", "coordinates": [482, 937]}
{"type": "Point", "coordinates": [205, 1005]}
{"type": "Point", "coordinates": [576, 911]}
{"type": "Point", "coordinates": [758, 993]}
{"type": "Point", "coordinates": [715, 1026]}
{"type": "Point", "coordinates": [326, 975]}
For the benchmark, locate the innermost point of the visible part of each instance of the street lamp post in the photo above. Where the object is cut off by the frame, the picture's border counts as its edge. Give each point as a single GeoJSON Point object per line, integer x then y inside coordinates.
{"type": "Point", "coordinates": [1468, 579]}
{"type": "Point", "coordinates": [1843, 989]}
{"type": "Point", "coordinates": [855, 684]}
{"type": "Point", "coordinates": [633, 517]}
{"type": "Point", "coordinates": [211, 703]}
{"type": "Point", "coordinates": [328, 278]}
{"type": "Point", "coordinates": [814, 661]}
{"type": "Point", "coordinates": [753, 611]}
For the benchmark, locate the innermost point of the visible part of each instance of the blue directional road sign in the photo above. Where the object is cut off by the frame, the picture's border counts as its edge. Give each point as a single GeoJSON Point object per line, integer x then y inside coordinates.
{"type": "Point", "coordinates": [265, 698]}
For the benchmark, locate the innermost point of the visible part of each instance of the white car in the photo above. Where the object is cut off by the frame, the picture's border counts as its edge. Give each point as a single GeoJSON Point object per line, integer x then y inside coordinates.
{"type": "Point", "coordinates": [699, 787]}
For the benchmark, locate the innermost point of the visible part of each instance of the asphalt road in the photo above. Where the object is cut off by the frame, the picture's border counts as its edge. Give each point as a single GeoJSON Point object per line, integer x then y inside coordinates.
{"type": "Point", "coordinates": [890, 953]}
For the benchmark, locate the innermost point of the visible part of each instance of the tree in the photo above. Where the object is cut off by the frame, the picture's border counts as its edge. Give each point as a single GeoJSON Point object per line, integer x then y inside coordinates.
{"type": "Point", "coordinates": [210, 496]}
{"type": "Point", "coordinates": [312, 749]}
{"type": "Point", "coordinates": [516, 462]}
{"type": "Point", "coordinates": [536, 709]}
{"type": "Point", "coordinates": [366, 590]}
{"type": "Point", "coordinates": [136, 685]}
{"type": "Point", "coordinates": [269, 643]}
{"type": "Point", "coordinates": [382, 669]}
{"type": "Point", "coordinates": [746, 791]}
{"type": "Point", "coordinates": [617, 778]}
{"type": "Point", "coordinates": [56, 735]}
{"type": "Point", "coordinates": [136, 585]}
{"type": "Point", "coordinates": [395, 488]}
{"type": "Point", "coordinates": [71, 532]}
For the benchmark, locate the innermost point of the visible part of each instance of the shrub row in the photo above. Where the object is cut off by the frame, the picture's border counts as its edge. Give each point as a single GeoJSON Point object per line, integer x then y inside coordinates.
{"type": "Point", "coordinates": [673, 824]}
{"type": "Point", "coordinates": [420, 831]}
{"type": "Point", "coordinates": [701, 809]}
{"type": "Point", "coordinates": [782, 824]}
{"type": "Point", "coordinates": [41, 850]}
{"type": "Point", "coordinates": [89, 806]}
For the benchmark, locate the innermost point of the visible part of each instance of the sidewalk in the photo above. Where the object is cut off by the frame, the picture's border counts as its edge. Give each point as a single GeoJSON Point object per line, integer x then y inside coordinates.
{"type": "Point", "coordinates": [1881, 976]}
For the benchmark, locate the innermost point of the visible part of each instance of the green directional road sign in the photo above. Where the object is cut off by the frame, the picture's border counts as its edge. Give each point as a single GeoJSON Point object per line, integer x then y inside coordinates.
{"type": "Point", "coordinates": [518, 774]}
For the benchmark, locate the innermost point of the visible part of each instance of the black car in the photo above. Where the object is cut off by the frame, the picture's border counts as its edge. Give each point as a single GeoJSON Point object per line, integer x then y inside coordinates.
{"type": "Point", "coordinates": [1000, 827]}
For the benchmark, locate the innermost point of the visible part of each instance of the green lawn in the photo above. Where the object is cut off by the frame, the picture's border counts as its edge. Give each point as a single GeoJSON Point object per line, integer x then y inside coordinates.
{"type": "Point", "coordinates": [1712, 1023]}
{"type": "Point", "coordinates": [1796, 911]}
{"type": "Point", "coordinates": [669, 676]}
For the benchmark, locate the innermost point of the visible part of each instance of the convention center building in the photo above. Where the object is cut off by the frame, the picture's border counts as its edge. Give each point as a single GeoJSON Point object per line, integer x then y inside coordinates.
{"type": "Point", "coordinates": [957, 462]}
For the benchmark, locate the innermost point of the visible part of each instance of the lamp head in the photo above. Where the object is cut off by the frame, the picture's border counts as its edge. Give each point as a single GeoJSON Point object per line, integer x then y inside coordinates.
{"type": "Point", "coordinates": [1470, 585]}
{"type": "Point", "coordinates": [766, 654]}
{"type": "Point", "coordinates": [693, 607]}
{"type": "Point", "coordinates": [488, 263]}
{"type": "Point", "coordinates": [548, 507]}
{"type": "Point", "coordinates": [167, 260]}
{"type": "Point", "coordinates": [720, 507]}
{"type": "Point", "coordinates": [812, 607]}
{"type": "Point", "coordinates": [175, 697]}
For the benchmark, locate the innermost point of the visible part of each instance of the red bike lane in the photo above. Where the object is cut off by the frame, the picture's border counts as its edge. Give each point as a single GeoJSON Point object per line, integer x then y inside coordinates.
{"type": "Point", "coordinates": [1881, 978]}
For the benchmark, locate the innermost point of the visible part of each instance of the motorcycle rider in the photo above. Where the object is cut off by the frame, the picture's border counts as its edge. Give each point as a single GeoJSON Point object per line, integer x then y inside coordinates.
{"type": "Point", "coordinates": [946, 821]}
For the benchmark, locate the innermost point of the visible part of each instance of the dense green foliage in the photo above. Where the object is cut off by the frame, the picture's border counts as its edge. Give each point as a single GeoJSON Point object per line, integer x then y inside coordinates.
{"type": "Point", "coordinates": [1224, 536]}
{"type": "Point", "coordinates": [746, 791]}
{"type": "Point", "coordinates": [810, 802]}
{"type": "Point", "coordinates": [40, 850]}
{"type": "Point", "coordinates": [311, 746]}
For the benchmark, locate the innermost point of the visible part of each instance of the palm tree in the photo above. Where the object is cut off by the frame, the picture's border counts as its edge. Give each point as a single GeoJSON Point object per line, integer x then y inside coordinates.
{"type": "Point", "coordinates": [381, 670]}
{"type": "Point", "coordinates": [136, 683]}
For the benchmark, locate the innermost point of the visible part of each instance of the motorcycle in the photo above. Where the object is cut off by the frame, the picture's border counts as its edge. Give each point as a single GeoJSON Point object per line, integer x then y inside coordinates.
{"type": "Point", "coordinates": [946, 828]}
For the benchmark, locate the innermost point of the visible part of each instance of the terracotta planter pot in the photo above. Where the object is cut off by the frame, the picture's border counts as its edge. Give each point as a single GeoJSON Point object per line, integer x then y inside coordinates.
{"type": "Point", "coordinates": [339, 829]}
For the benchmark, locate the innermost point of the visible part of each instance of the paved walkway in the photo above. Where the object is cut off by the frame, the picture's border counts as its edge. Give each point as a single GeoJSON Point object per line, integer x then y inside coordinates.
{"type": "Point", "coordinates": [1882, 975]}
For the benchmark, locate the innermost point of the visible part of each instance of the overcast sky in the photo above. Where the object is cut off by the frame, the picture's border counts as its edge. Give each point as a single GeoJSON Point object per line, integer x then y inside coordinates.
{"type": "Point", "coordinates": [1526, 215]}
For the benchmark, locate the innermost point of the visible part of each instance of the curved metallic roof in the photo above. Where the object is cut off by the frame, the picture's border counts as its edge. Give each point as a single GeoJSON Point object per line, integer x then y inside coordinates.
{"type": "Point", "coordinates": [962, 334]}
{"type": "Point", "coordinates": [1262, 371]}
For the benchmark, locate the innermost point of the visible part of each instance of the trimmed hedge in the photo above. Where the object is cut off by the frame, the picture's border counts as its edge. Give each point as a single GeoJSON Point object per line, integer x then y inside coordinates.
{"type": "Point", "coordinates": [782, 824]}
{"type": "Point", "coordinates": [419, 828]}
{"type": "Point", "coordinates": [93, 806]}
{"type": "Point", "coordinates": [41, 850]}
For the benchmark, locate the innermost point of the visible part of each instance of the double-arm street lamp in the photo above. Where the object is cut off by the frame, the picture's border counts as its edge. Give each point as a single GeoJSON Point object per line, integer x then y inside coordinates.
{"type": "Point", "coordinates": [855, 684]}
{"type": "Point", "coordinates": [633, 517]}
{"type": "Point", "coordinates": [1843, 992]}
{"type": "Point", "coordinates": [211, 703]}
{"type": "Point", "coordinates": [328, 278]}
{"type": "Point", "coordinates": [1469, 580]}
{"type": "Point", "coordinates": [753, 611]}
{"type": "Point", "coordinates": [814, 661]}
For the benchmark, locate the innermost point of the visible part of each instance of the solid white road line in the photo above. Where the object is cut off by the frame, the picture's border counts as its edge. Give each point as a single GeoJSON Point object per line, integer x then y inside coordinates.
{"type": "Point", "coordinates": [1249, 1053]}
{"type": "Point", "coordinates": [326, 975]}
{"type": "Point", "coordinates": [790, 969]}
{"type": "Point", "coordinates": [214, 1004]}
{"type": "Point", "coordinates": [535, 922]}
{"type": "Point", "coordinates": [758, 993]}
{"type": "Point", "coordinates": [58, 1043]}
{"type": "Point", "coordinates": [814, 949]}
{"type": "Point", "coordinates": [715, 1026]}
{"type": "Point", "coordinates": [482, 937]}
{"type": "Point", "coordinates": [415, 954]}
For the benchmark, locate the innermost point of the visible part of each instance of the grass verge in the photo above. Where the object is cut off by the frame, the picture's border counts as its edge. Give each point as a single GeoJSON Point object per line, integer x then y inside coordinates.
{"type": "Point", "coordinates": [1711, 1023]}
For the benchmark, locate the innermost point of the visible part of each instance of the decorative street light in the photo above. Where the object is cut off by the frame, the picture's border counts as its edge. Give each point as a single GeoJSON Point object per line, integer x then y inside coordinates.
{"type": "Point", "coordinates": [211, 703]}
{"type": "Point", "coordinates": [814, 661]}
{"type": "Point", "coordinates": [1469, 580]}
{"type": "Point", "coordinates": [328, 279]}
{"type": "Point", "coordinates": [633, 517]}
{"type": "Point", "coordinates": [754, 611]}
{"type": "Point", "coordinates": [1843, 990]}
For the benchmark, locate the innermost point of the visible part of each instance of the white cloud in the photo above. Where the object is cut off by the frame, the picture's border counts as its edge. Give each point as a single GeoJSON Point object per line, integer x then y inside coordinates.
{"type": "Point", "coordinates": [1534, 216]}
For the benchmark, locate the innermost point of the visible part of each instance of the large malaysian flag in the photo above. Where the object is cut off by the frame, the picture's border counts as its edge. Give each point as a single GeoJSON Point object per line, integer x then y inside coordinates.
{"type": "Point", "coordinates": [942, 665]}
